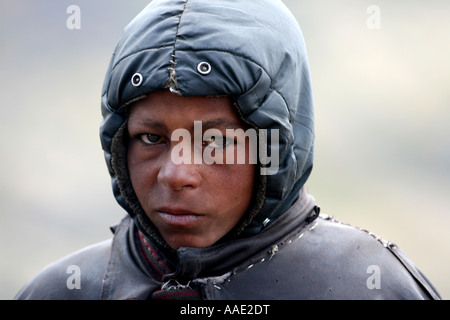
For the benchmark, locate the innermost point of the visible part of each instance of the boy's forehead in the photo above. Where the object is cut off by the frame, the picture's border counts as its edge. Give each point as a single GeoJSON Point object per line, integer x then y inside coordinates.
{"type": "Point", "coordinates": [165, 105]}
{"type": "Point", "coordinates": [215, 121]}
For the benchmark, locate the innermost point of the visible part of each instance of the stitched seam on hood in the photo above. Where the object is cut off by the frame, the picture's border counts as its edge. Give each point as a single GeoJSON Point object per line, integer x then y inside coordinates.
{"type": "Point", "coordinates": [252, 61]}
{"type": "Point", "coordinates": [172, 83]}
{"type": "Point", "coordinates": [137, 52]}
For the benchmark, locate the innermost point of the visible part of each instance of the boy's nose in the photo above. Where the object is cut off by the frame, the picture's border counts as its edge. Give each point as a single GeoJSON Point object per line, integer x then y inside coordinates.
{"type": "Point", "coordinates": [179, 176]}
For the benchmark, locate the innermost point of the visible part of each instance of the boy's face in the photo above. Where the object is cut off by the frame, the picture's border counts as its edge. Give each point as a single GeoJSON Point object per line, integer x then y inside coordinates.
{"type": "Point", "coordinates": [192, 204]}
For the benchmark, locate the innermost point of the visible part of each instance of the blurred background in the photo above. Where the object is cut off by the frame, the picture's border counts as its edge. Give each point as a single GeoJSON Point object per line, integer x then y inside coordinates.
{"type": "Point", "coordinates": [381, 76]}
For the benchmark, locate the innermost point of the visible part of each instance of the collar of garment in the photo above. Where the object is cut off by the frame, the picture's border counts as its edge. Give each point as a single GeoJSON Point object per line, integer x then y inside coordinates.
{"type": "Point", "coordinates": [216, 260]}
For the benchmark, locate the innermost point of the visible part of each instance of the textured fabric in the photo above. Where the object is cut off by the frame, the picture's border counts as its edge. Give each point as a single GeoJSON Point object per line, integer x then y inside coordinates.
{"type": "Point", "coordinates": [159, 267]}
{"type": "Point", "coordinates": [177, 294]}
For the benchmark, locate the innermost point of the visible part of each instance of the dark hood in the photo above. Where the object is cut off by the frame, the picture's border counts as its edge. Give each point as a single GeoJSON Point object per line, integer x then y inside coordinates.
{"type": "Point", "coordinates": [257, 55]}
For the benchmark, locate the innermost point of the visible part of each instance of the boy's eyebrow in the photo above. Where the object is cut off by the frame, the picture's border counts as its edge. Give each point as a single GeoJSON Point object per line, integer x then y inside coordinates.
{"type": "Point", "coordinates": [150, 123]}
{"type": "Point", "coordinates": [221, 122]}
{"type": "Point", "coordinates": [206, 124]}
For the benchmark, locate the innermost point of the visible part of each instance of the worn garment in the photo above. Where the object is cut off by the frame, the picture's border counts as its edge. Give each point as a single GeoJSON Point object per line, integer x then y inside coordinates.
{"type": "Point", "coordinates": [282, 262]}
{"type": "Point", "coordinates": [159, 266]}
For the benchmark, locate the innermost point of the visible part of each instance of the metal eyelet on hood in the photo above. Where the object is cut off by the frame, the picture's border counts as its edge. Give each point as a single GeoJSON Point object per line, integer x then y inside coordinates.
{"type": "Point", "coordinates": [204, 68]}
{"type": "Point", "coordinates": [136, 79]}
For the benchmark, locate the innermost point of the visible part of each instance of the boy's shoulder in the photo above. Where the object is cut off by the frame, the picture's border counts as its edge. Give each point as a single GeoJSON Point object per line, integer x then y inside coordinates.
{"type": "Point", "coordinates": [364, 260]}
{"type": "Point", "coordinates": [328, 259]}
{"type": "Point", "coordinates": [78, 275]}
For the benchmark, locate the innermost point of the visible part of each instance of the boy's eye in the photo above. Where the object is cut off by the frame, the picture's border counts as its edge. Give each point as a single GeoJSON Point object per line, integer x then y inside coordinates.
{"type": "Point", "coordinates": [218, 141]}
{"type": "Point", "coordinates": [150, 138]}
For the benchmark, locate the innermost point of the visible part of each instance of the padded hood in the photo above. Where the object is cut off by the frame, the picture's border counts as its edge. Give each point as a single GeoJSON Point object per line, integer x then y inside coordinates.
{"type": "Point", "coordinates": [250, 50]}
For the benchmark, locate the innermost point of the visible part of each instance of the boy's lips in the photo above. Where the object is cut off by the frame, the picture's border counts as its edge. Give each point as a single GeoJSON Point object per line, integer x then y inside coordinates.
{"type": "Point", "coordinates": [177, 216]}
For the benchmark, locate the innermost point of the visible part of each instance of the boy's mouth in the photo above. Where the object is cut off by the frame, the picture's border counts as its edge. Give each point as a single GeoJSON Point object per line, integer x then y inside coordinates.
{"type": "Point", "coordinates": [177, 216]}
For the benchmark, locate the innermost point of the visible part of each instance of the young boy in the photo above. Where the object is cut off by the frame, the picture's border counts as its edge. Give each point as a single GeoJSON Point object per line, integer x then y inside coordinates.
{"type": "Point", "coordinates": [208, 135]}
